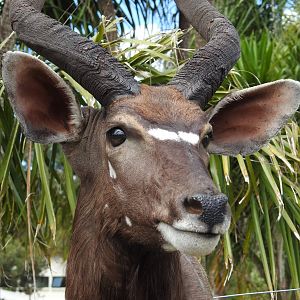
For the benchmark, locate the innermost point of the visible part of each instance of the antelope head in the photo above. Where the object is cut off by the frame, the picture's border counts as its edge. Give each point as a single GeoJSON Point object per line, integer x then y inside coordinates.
{"type": "Point", "coordinates": [143, 157]}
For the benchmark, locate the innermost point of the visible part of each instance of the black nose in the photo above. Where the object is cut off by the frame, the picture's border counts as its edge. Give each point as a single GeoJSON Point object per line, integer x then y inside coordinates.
{"type": "Point", "coordinates": [211, 209]}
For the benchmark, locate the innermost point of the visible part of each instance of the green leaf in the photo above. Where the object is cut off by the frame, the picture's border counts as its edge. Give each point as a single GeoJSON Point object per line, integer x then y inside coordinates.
{"type": "Point", "coordinates": [44, 180]}
{"type": "Point", "coordinates": [70, 189]}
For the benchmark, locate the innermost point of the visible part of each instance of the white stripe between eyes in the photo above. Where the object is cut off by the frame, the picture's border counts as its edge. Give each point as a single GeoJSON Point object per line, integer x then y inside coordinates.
{"type": "Point", "coordinates": [189, 137]}
{"type": "Point", "coordinates": [163, 135]}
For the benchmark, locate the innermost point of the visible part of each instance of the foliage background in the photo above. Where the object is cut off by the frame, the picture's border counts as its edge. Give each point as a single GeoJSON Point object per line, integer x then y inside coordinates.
{"type": "Point", "coordinates": [261, 250]}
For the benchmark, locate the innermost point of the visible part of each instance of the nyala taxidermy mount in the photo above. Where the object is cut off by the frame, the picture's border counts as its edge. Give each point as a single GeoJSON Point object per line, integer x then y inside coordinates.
{"type": "Point", "coordinates": [147, 204]}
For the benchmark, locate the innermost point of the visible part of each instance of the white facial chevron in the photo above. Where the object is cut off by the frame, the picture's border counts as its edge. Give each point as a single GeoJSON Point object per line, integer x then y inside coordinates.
{"type": "Point", "coordinates": [180, 136]}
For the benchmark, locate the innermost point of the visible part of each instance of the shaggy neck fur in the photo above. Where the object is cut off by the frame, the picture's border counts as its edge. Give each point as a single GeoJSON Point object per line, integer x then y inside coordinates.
{"type": "Point", "coordinates": [103, 266]}
{"type": "Point", "coordinates": [145, 275]}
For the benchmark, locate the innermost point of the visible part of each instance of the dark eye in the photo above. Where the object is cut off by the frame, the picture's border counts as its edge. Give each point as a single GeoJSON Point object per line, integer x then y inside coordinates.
{"type": "Point", "coordinates": [116, 136]}
{"type": "Point", "coordinates": [206, 139]}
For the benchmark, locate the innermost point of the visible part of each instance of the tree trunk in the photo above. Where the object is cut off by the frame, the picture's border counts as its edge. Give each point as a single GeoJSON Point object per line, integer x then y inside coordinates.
{"type": "Point", "coordinates": [107, 9]}
{"type": "Point", "coordinates": [282, 280]}
{"type": "Point", "coordinates": [5, 31]}
{"type": "Point", "coordinates": [185, 44]}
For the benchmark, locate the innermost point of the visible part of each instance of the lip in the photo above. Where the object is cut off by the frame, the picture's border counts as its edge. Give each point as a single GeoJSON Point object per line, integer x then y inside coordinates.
{"type": "Point", "coordinates": [192, 242]}
{"type": "Point", "coordinates": [192, 224]}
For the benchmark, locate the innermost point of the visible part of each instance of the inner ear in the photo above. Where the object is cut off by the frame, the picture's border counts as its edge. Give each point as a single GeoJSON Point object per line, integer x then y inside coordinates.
{"type": "Point", "coordinates": [42, 101]}
{"type": "Point", "coordinates": [53, 112]}
{"type": "Point", "coordinates": [246, 120]}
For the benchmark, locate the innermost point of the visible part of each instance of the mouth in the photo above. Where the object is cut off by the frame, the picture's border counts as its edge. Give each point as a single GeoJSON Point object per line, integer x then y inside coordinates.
{"type": "Point", "coordinates": [208, 235]}
{"type": "Point", "coordinates": [194, 243]}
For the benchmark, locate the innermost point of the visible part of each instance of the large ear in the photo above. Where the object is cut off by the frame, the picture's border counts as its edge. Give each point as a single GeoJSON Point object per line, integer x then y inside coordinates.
{"type": "Point", "coordinates": [246, 120]}
{"type": "Point", "coordinates": [43, 103]}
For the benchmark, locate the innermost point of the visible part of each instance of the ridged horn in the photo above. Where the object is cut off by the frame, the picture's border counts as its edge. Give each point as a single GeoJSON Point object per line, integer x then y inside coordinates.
{"type": "Point", "coordinates": [89, 64]}
{"type": "Point", "coordinates": [203, 74]}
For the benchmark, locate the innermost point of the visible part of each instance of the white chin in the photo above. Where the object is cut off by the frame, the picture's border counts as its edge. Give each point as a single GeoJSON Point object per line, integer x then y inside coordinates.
{"type": "Point", "coordinates": [190, 243]}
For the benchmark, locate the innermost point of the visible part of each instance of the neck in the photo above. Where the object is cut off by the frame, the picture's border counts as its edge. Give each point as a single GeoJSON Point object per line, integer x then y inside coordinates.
{"type": "Point", "coordinates": [115, 271]}
{"type": "Point", "coordinates": [148, 275]}
{"type": "Point", "coordinates": [103, 266]}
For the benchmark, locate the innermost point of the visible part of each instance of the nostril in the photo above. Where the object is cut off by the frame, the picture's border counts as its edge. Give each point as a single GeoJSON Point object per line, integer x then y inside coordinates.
{"type": "Point", "coordinates": [193, 206]}
{"type": "Point", "coordinates": [214, 209]}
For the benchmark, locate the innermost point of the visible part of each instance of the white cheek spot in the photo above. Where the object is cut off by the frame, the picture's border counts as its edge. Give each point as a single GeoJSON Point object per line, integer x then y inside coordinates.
{"type": "Point", "coordinates": [189, 137]}
{"type": "Point", "coordinates": [163, 135]}
{"type": "Point", "coordinates": [106, 206]}
{"type": "Point", "coordinates": [181, 136]}
{"type": "Point", "coordinates": [128, 221]}
{"type": "Point", "coordinates": [112, 172]}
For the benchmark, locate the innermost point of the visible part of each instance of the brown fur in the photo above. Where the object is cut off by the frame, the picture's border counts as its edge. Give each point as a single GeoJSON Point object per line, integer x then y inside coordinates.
{"type": "Point", "coordinates": [109, 259]}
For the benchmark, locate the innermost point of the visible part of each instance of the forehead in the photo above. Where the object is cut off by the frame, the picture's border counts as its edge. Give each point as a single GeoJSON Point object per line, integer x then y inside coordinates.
{"type": "Point", "coordinates": [158, 106]}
